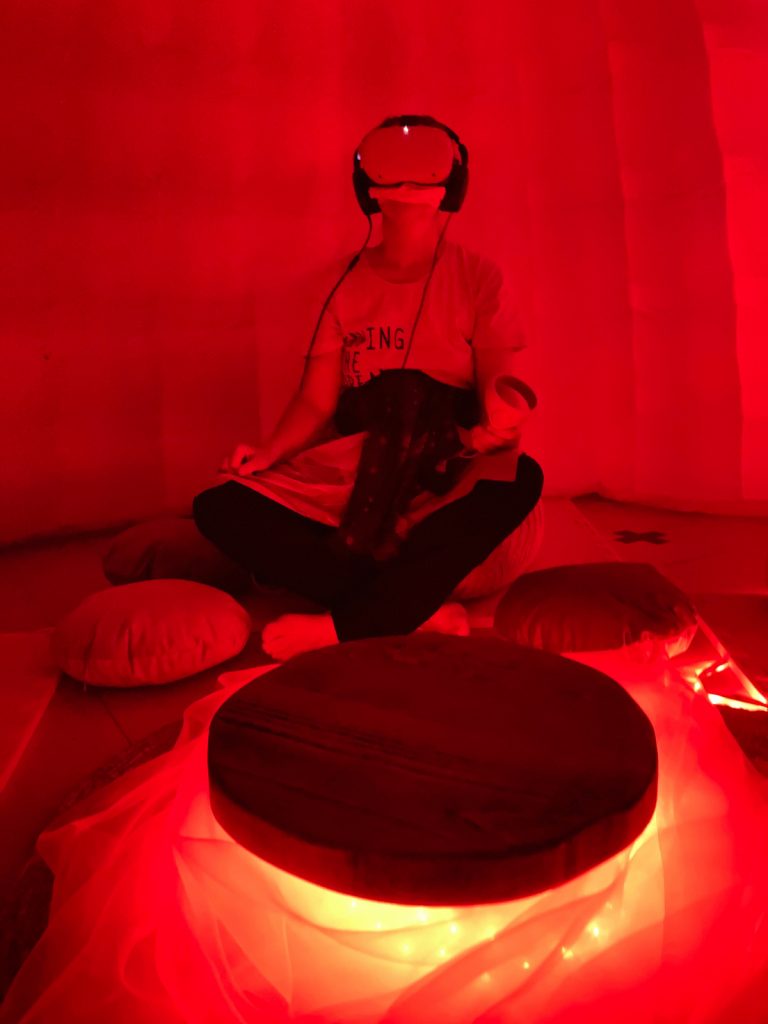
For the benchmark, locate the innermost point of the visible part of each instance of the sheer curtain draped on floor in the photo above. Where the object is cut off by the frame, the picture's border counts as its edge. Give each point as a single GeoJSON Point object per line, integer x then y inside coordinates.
{"type": "Point", "coordinates": [159, 916]}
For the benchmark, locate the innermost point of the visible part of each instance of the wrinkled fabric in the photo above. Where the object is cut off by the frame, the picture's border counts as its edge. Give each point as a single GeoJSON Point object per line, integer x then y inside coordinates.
{"type": "Point", "coordinates": [158, 916]}
{"type": "Point", "coordinates": [318, 482]}
{"type": "Point", "coordinates": [411, 446]}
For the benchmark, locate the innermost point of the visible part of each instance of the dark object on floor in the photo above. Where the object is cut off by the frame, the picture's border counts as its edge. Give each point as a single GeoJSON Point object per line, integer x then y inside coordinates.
{"type": "Point", "coordinates": [433, 770]}
{"type": "Point", "coordinates": [631, 537]}
{"type": "Point", "coordinates": [171, 548]}
{"type": "Point", "coordinates": [598, 606]}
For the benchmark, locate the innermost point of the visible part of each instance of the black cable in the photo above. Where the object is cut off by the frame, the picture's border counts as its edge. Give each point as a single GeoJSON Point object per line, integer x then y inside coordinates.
{"type": "Point", "coordinates": [350, 266]}
{"type": "Point", "coordinates": [353, 263]}
{"type": "Point", "coordinates": [426, 286]}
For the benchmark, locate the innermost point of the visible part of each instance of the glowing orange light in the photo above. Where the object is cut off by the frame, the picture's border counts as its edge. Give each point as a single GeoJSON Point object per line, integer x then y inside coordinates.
{"type": "Point", "coordinates": [732, 702]}
{"type": "Point", "coordinates": [752, 699]}
{"type": "Point", "coordinates": [725, 661]}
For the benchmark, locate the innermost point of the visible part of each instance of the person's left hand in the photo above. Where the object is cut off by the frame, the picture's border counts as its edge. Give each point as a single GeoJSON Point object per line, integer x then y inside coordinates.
{"type": "Point", "coordinates": [478, 439]}
{"type": "Point", "coordinates": [246, 460]}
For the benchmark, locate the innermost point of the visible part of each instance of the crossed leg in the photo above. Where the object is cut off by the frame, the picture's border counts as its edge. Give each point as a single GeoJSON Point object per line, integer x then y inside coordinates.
{"type": "Point", "coordinates": [364, 598]}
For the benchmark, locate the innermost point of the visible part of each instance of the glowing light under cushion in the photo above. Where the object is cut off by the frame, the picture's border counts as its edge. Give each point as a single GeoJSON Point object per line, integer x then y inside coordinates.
{"type": "Point", "coordinates": [159, 916]}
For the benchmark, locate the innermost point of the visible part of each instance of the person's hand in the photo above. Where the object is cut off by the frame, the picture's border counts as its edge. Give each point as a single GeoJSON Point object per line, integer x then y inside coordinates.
{"type": "Point", "coordinates": [465, 437]}
{"type": "Point", "coordinates": [248, 459]}
{"type": "Point", "coordinates": [479, 440]}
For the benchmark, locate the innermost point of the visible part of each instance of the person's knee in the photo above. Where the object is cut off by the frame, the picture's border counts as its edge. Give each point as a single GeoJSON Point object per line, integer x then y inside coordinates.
{"type": "Point", "coordinates": [207, 509]}
{"type": "Point", "coordinates": [531, 476]}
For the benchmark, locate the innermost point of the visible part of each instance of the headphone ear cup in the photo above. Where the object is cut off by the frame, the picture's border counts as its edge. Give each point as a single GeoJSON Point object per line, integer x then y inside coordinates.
{"type": "Point", "coordinates": [455, 189]}
{"type": "Point", "coordinates": [361, 184]}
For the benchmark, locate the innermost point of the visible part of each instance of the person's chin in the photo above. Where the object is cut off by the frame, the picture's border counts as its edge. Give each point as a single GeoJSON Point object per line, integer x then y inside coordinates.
{"type": "Point", "coordinates": [403, 209]}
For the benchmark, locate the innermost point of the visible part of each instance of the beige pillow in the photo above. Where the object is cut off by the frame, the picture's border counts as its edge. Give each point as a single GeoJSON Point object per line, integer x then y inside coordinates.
{"type": "Point", "coordinates": [595, 607]}
{"type": "Point", "coordinates": [152, 632]}
{"type": "Point", "coordinates": [171, 548]}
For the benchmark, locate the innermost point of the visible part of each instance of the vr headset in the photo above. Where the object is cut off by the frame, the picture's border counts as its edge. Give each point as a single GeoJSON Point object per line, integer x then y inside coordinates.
{"type": "Point", "coordinates": [410, 150]}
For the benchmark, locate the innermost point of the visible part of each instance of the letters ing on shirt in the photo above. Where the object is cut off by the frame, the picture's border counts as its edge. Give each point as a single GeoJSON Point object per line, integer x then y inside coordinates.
{"type": "Point", "coordinates": [375, 338]}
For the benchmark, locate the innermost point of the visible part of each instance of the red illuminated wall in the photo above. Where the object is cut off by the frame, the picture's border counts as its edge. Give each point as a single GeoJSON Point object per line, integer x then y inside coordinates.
{"type": "Point", "coordinates": [176, 196]}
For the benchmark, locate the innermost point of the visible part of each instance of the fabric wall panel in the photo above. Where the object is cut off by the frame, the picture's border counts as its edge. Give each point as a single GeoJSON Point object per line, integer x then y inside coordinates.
{"type": "Point", "coordinates": [178, 199]}
{"type": "Point", "coordinates": [736, 38]}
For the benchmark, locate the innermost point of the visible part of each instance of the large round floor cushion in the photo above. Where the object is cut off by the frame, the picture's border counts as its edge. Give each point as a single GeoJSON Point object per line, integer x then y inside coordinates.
{"type": "Point", "coordinates": [433, 770]}
{"type": "Point", "coordinates": [152, 632]}
{"type": "Point", "coordinates": [511, 558]}
{"type": "Point", "coordinates": [171, 548]}
{"type": "Point", "coordinates": [595, 607]}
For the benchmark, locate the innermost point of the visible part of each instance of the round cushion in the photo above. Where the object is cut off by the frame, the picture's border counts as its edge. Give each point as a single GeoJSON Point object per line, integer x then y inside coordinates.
{"type": "Point", "coordinates": [432, 770]}
{"type": "Point", "coordinates": [171, 548]}
{"type": "Point", "coordinates": [151, 632]}
{"type": "Point", "coordinates": [595, 607]}
{"type": "Point", "coordinates": [506, 562]}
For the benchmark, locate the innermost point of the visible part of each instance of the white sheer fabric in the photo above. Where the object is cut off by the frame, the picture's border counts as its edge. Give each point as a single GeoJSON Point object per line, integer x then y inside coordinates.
{"type": "Point", "coordinates": [159, 917]}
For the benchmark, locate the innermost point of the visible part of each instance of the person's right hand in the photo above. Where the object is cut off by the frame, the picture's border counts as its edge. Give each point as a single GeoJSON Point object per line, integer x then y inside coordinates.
{"type": "Point", "coordinates": [246, 460]}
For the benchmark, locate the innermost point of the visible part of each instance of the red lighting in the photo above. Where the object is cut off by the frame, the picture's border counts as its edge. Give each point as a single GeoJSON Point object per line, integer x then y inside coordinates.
{"type": "Point", "coordinates": [209, 932]}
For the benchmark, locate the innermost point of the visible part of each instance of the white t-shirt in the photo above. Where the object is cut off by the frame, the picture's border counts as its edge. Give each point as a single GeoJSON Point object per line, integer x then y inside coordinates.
{"type": "Point", "coordinates": [368, 322]}
{"type": "Point", "coordinates": [467, 305]}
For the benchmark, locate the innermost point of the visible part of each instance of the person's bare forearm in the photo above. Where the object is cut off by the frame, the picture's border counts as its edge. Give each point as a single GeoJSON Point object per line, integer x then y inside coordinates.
{"type": "Point", "coordinates": [300, 424]}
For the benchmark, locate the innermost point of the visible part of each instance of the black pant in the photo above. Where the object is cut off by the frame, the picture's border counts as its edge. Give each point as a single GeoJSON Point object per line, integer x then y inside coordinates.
{"type": "Point", "coordinates": [365, 597]}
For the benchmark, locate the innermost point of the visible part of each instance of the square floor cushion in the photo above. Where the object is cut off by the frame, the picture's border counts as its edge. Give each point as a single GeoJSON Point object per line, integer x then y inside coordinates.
{"type": "Point", "coordinates": [596, 607]}
{"type": "Point", "coordinates": [171, 548]}
{"type": "Point", "coordinates": [151, 632]}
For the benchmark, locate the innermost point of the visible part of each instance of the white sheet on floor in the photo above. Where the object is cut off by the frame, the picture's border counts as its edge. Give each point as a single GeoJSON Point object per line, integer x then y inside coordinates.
{"type": "Point", "coordinates": [159, 917]}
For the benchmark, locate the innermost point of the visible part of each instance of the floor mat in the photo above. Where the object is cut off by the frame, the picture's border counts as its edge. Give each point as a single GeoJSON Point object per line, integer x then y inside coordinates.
{"type": "Point", "coordinates": [29, 679]}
